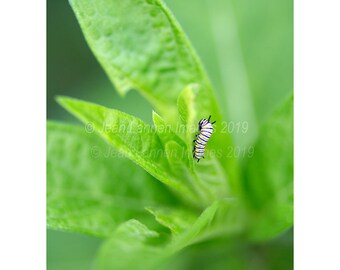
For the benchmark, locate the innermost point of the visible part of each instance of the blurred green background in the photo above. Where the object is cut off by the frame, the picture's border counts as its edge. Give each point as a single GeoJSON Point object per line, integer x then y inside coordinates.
{"type": "Point", "coordinates": [247, 49]}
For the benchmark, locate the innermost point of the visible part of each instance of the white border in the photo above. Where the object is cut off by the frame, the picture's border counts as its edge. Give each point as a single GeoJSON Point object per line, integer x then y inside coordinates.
{"type": "Point", "coordinates": [23, 118]}
{"type": "Point", "coordinates": [317, 163]}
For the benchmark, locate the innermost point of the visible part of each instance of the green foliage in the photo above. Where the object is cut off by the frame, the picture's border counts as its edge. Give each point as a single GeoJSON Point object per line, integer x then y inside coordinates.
{"type": "Point", "coordinates": [176, 220]}
{"type": "Point", "coordinates": [131, 246]}
{"type": "Point", "coordinates": [269, 175]}
{"type": "Point", "coordinates": [141, 46]}
{"type": "Point", "coordinates": [134, 138]}
{"type": "Point", "coordinates": [164, 131]}
{"type": "Point", "coordinates": [162, 203]}
{"type": "Point", "coordinates": [160, 68]}
{"type": "Point", "coordinates": [91, 188]}
{"type": "Point", "coordinates": [128, 248]}
{"type": "Point", "coordinates": [186, 108]}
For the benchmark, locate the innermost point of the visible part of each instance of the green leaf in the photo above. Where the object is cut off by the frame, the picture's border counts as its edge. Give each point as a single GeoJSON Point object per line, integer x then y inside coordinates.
{"type": "Point", "coordinates": [132, 137]}
{"type": "Point", "coordinates": [130, 248]}
{"type": "Point", "coordinates": [179, 166]}
{"type": "Point", "coordinates": [141, 46]}
{"type": "Point", "coordinates": [269, 175]}
{"type": "Point", "coordinates": [187, 112]}
{"type": "Point", "coordinates": [91, 188]}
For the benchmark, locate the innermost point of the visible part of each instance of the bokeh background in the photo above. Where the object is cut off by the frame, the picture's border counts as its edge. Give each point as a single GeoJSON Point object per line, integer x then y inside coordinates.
{"type": "Point", "coordinates": [247, 49]}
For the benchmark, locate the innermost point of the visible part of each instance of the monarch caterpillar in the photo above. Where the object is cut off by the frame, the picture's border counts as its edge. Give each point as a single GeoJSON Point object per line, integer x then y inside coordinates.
{"type": "Point", "coordinates": [205, 127]}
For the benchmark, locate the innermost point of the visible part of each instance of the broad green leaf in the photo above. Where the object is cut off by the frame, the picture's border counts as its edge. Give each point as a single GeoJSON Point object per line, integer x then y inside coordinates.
{"type": "Point", "coordinates": [132, 137]}
{"type": "Point", "coordinates": [141, 46]}
{"type": "Point", "coordinates": [130, 248]}
{"type": "Point", "coordinates": [91, 188]}
{"type": "Point", "coordinates": [269, 175]}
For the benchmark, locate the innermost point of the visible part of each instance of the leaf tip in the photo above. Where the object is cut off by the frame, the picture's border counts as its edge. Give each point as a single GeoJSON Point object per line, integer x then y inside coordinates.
{"type": "Point", "coordinates": [64, 101]}
{"type": "Point", "coordinates": [67, 101]}
{"type": "Point", "coordinates": [154, 114]}
{"type": "Point", "coordinates": [155, 117]}
{"type": "Point", "coordinates": [72, 105]}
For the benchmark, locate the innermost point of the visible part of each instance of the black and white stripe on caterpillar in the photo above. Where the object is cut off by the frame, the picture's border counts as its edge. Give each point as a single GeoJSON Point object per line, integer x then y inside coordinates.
{"type": "Point", "coordinates": [206, 129]}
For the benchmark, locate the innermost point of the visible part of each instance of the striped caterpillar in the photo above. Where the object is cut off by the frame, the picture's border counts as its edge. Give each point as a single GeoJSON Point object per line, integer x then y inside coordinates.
{"type": "Point", "coordinates": [206, 129]}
